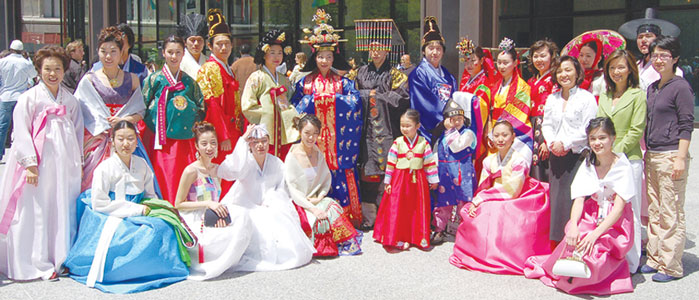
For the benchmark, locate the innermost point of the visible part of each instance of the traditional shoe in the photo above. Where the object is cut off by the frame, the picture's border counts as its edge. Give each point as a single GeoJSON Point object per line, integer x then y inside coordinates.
{"type": "Point", "coordinates": [366, 227]}
{"type": "Point", "coordinates": [660, 277]}
{"type": "Point", "coordinates": [646, 269]}
{"type": "Point", "coordinates": [437, 238]}
{"type": "Point", "coordinates": [403, 245]}
{"type": "Point", "coordinates": [54, 277]}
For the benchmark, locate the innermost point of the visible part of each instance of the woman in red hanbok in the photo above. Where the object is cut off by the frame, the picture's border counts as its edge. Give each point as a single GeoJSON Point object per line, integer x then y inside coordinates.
{"type": "Point", "coordinates": [542, 54]}
{"type": "Point", "coordinates": [601, 223]}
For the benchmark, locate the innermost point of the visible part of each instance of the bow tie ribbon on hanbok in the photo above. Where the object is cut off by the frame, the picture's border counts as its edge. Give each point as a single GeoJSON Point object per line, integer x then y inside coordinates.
{"type": "Point", "coordinates": [19, 177]}
{"type": "Point", "coordinates": [161, 116]}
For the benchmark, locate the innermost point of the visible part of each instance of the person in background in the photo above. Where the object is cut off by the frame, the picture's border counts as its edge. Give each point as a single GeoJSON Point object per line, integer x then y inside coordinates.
{"type": "Point", "coordinates": [77, 67]}
{"type": "Point", "coordinates": [669, 125]}
{"type": "Point", "coordinates": [296, 74]}
{"type": "Point", "coordinates": [244, 66]}
{"type": "Point", "coordinates": [193, 30]}
{"type": "Point", "coordinates": [406, 66]}
{"type": "Point", "coordinates": [16, 76]}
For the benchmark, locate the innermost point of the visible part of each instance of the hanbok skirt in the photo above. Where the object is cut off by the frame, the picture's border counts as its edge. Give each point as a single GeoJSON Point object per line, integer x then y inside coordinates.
{"type": "Point", "coordinates": [342, 231]}
{"type": "Point", "coordinates": [142, 255]}
{"type": "Point", "coordinates": [277, 242]}
{"type": "Point", "coordinates": [169, 163]}
{"type": "Point", "coordinates": [404, 214]}
{"type": "Point", "coordinates": [607, 262]}
{"type": "Point", "coordinates": [219, 249]}
{"type": "Point", "coordinates": [43, 227]}
{"type": "Point", "coordinates": [504, 232]}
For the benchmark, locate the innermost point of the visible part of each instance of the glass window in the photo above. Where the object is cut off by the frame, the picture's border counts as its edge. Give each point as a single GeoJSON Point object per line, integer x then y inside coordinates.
{"type": "Point", "coordinates": [553, 7]}
{"type": "Point", "coordinates": [515, 29]}
{"type": "Point", "coordinates": [514, 8]}
{"type": "Point", "coordinates": [41, 23]}
{"type": "Point", "coordinates": [598, 5]}
{"type": "Point", "coordinates": [582, 24]}
{"type": "Point", "coordinates": [556, 29]}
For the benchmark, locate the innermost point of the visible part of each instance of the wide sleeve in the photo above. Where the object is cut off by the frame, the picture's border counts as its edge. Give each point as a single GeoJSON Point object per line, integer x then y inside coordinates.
{"type": "Point", "coordinates": [149, 90]}
{"type": "Point", "coordinates": [250, 101]}
{"type": "Point", "coordinates": [210, 81]}
{"type": "Point", "coordinates": [23, 141]}
{"type": "Point", "coordinates": [302, 102]}
{"type": "Point", "coordinates": [430, 165]}
{"type": "Point", "coordinates": [391, 160]}
{"type": "Point", "coordinates": [397, 94]}
{"type": "Point", "coordinates": [76, 116]}
{"type": "Point", "coordinates": [101, 202]}
{"type": "Point", "coordinates": [585, 182]}
{"type": "Point", "coordinates": [632, 138]}
{"type": "Point", "coordinates": [458, 141]}
{"type": "Point", "coordinates": [237, 164]}
{"type": "Point", "coordinates": [292, 174]}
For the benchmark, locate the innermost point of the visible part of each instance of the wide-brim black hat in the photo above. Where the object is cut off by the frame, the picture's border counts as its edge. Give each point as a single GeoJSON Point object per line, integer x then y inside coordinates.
{"type": "Point", "coordinates": [650, 23]}
{"type": "Point", "coordinates": [273, 37]}
{"type": "Point", "coordinates": [192, 25]}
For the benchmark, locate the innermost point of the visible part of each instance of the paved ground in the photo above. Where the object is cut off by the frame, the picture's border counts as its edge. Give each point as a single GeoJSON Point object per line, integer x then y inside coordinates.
{"type": "Point", "coordinates": [376, 274]}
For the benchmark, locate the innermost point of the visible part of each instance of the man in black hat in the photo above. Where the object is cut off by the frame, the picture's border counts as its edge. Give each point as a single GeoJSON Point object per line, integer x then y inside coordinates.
{"type": "Point", "coordinates": [645, 31]}
{"type": "Point", "coordinates": [193, 29]}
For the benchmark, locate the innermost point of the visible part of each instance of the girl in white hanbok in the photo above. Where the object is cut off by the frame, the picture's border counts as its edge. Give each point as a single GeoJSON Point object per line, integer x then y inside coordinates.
{"type": "Point", "coordinates": [39, 184]}
{"type": "Point", "coordinates": [128, 241]}
{"type": "Point", "coordinates": [277, 242]}
{"type": "Point", "coordinates": [222, 245]}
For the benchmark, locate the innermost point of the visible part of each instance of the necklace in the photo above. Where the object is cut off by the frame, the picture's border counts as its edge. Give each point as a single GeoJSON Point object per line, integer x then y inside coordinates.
{"type": "Point", "coordinates": [112, 81]}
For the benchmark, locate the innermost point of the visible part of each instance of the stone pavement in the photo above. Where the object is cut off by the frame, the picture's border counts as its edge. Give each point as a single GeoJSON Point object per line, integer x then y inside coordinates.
{"type": "Point", "coordinates": [376, 274]}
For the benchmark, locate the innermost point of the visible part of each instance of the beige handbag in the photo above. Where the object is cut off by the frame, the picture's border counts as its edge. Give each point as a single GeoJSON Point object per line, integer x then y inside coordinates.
{"type": "Point", "coordinates": [572, 266]}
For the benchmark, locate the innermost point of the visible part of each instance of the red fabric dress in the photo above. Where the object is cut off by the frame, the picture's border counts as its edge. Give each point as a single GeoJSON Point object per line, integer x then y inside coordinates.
{"type": "Point", "coordinates": [222, 108]}
{"type": "Point", "coordinates": [404, 213]}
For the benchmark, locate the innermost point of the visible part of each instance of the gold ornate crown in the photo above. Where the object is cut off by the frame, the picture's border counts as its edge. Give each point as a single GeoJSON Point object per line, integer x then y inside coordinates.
{"type": "Point", "coordinates": [323, 36]}
{"type": "Point", "coordinates": [465, 47]}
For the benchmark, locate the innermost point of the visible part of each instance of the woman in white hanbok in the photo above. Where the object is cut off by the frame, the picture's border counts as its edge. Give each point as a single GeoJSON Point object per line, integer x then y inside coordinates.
{"type": "Point", "coordinates": [277, 242]}
{"type": "Point", "coordinates": [220, 246]}
{"type": "Point", "coordinates": [39, 184]}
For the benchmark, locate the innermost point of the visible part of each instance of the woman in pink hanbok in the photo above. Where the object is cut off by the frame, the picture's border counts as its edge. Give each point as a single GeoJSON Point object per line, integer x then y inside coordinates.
{"type": "Point", "coordinates": [507, 221]}
{"type": "Point", "coordinates": [601, 223]}
{"type": "Point", "coordinates": [42, 176]}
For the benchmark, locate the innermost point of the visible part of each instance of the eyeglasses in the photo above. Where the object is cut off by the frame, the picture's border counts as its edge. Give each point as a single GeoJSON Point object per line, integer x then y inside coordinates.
{"type": "Point", "coordinates": [662, 56]}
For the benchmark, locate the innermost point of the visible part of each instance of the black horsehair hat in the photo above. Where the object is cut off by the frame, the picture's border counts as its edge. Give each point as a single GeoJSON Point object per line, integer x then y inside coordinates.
{"type": "Point", "coordinates": [432, 32]}
{"type": "Point", "coordinates": [192, 25]}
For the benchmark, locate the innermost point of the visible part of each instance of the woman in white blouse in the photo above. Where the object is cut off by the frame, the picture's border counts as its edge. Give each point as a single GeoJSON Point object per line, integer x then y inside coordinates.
{"type": "Point", "coordinates": [566, 114]}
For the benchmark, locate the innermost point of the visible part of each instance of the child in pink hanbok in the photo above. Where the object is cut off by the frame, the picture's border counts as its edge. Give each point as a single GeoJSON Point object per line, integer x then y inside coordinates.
{"type": "Point", "coordinates": [601, 223]}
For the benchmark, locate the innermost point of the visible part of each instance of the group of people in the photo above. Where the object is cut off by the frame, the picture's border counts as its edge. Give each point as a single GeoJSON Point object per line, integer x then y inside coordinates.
{"type": "Point", "coordinates": [189, 172]}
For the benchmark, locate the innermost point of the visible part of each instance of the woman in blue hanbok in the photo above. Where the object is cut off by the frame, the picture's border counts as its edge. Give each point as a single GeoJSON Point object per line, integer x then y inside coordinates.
{"type": "Point", "coordinates": [126, 242]}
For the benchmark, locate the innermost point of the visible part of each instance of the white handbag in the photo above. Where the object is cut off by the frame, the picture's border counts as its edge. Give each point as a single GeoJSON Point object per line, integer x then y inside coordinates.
{"type": "Point", "coordinates": [572, 266]}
